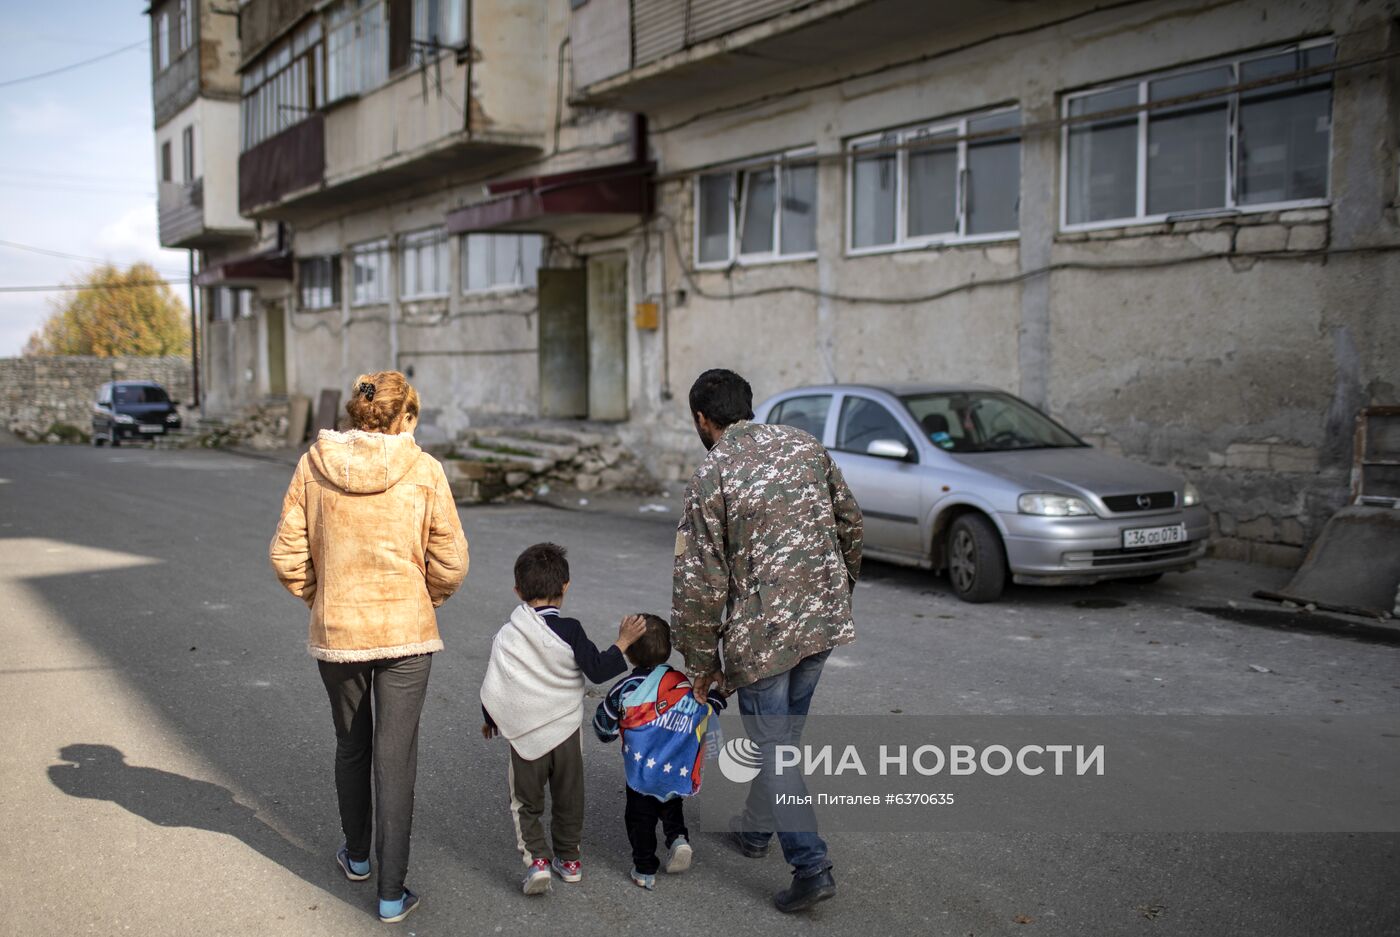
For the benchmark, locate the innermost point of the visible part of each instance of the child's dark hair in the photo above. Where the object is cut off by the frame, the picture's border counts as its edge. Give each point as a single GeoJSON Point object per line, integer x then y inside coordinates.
{"type": "Point", "coordinates": [541, 572]}
{"type": "Point", "coordinates": [654, 646]}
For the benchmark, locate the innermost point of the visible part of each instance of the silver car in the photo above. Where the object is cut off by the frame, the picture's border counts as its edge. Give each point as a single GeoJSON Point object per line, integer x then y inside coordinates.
{"type": "Point", "coordinates": [980, 483]}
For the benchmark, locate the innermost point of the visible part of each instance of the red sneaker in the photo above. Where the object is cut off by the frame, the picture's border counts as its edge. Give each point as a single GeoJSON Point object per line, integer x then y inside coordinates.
{"type": "Point", "coordinates": [571, 871]}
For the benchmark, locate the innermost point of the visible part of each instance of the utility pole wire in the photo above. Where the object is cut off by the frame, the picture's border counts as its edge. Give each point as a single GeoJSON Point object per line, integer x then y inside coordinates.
{"type": "Point", "coordinates": [69, 68]}
{"type": "Point", "coordinates": [171, 281]}
{"type": "Point", "coordinates": [66, 256]}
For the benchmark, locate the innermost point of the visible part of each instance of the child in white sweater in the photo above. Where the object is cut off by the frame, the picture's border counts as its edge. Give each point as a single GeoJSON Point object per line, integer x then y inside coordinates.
{"type": "Point", "coordinates": [533, 695]}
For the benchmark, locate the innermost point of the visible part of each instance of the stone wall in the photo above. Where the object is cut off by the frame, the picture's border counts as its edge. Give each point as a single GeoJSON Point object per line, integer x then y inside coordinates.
{"type": "Point", "coordinates": [36, 393]}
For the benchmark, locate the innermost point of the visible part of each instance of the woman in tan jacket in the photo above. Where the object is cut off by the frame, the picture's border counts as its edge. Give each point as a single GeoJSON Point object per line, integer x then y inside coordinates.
{"type": "Point", "coordinates": [370, 540]}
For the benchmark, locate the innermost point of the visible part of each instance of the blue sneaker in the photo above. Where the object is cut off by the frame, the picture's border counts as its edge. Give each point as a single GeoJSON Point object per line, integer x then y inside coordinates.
{"type": "Point", "coordinates": [349, 866]}
{"type": "Point", "coordinates": [391, 912]}
{"type": "Point", "coordinates": [643, 881]}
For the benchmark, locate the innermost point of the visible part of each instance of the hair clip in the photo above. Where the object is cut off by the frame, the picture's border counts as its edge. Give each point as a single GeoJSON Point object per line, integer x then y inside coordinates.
{"type": "Point", "coordinates": [367, 389]}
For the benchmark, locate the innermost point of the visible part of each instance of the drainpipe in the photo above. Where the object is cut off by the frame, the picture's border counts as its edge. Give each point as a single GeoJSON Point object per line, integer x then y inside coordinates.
{"type": "Point", "coordinates": [194, 337]}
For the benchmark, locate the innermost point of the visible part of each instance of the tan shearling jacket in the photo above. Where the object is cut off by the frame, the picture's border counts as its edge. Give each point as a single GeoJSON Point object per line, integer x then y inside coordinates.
{"type": "Point", "coordinates": [370, 540]}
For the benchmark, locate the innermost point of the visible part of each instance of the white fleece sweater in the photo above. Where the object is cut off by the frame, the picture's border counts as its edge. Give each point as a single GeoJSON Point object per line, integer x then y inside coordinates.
{"type": "Point", "coordinates": [533, 687]}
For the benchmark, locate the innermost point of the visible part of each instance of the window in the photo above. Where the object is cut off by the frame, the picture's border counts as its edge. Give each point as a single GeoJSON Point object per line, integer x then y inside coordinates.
{"type": "Point", "coordinates": [805, 413]}
{"type": "Point", "coordinates": [166, 168]}
{"type": "Point", "coordinates": [500, 261]}
{"type": "Point", "coordinates": [186, 25]}
{"type": "Point", "coordinates": [187, 153]}
{"type": "Point", "coordinates": [944, 182]}
{"type": "Point", "coordinates": [1200, 140]}
{"type": "Point", "coordinates": [226, 302]}
{"type": "Point", "coordinates": [986, 421]}
{"type": "Point", "coordinates": [357, 47]}
{"type": "Point", "coordinates": [318, 280]}
{"type": "Point", "coordinates": [369, 273]}
{"type": "Point", "coordinates": [162, 42]}
{"type": "Point", "coordinates": [863, 421]}
{"type": "Point", "coordinates": [284, 86]}
{"type": "Point", "coordinates": [440, 22]}
{"type": "Point", "coordinates": [757, 214]}
{"type": "Point", "coordinates": [423, 269]}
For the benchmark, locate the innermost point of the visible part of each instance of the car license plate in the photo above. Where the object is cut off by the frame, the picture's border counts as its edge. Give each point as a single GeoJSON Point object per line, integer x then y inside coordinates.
{"type": "Point", "coordinates": [1153, 536]}
{"type": "Point", "coordinates": [146, 428]}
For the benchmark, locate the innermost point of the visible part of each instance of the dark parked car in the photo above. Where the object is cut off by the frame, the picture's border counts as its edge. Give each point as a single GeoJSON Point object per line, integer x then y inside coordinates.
{"type": "Point", "coordinates": [132, 410]}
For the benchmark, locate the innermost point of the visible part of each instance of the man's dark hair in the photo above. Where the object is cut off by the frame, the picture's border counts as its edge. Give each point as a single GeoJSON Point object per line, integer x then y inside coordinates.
{"type": "Point", "coordinates": [722, 396]}
{"type": "Point", "coordinates": [654, 646]}
{"type": "Point", "coordinates": [541, 572]}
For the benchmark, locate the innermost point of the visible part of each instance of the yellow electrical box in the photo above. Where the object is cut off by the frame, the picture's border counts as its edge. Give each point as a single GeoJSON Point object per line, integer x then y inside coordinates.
{"type": "Point", "coordinates": [647, 317]}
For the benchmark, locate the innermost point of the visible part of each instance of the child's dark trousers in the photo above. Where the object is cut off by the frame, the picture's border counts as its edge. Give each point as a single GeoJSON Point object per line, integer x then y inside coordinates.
{"type": "Point", "coordinates": [641, 815]}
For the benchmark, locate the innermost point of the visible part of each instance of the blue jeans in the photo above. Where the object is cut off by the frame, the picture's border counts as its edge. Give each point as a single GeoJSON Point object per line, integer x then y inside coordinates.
{"type": "Point", "coordinates": [774, 710]}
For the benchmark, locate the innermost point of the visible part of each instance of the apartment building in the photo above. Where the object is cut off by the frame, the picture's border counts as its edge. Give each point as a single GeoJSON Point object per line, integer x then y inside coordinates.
{"type": "Point", "coordinates": [194, 88]}
{"type": "Point", "coordinates": [1171, 224]}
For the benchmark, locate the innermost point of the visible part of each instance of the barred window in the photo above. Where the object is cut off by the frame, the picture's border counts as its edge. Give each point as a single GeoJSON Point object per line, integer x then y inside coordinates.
{"type": "Point", "coordinates": [318, 280]}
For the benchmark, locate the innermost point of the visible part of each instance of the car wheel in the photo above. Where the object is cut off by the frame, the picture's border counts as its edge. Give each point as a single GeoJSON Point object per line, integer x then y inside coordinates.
{"type": "Point", "coordinates": [1146, 579]}
{"type": "Point", "coordinates": [976, 562]}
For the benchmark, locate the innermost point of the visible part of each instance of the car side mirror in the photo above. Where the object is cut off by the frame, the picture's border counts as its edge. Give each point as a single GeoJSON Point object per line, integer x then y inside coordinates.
{"type": "Point", "coordinates": [888, 449]}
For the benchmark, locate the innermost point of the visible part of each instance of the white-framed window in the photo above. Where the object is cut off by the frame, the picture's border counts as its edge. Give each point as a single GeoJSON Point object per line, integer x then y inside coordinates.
{"type": "Point", "coordinates": [186, 25]}
{"type": "Point", "coordinates": [283, 87]}
{"type": "Point", "coordinates": [440, 22]}
{"type": "Point", "coordinates": [369, 283]}
{"type": "Point", "coordinates": [1213, 147]}
{"type": "Point", "coordinates": [318, 282]}
{"type": "Point", "coordinates": [945, 182]}
{"type": "Point", "coordinates": [357, 47]}
{"type": "Point", "coordinates": [757, 215]}
{"type": "Point", "coordinates": [163, 41]}
{"type": "Point", "coordinates": [423, 265]}
{"type": "Point", "coordinates": [230, 302]}
{"type": "Point", "coordinates": [501, 261]}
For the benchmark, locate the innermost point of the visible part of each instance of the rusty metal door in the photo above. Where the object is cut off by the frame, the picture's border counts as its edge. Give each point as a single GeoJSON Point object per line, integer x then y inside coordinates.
{"type": "Point", "coordinates": [563, 343]}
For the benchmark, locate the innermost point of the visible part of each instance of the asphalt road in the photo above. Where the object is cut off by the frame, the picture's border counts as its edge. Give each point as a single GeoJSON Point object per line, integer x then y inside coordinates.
{"type": "Point", "coordinates": [168, 763]}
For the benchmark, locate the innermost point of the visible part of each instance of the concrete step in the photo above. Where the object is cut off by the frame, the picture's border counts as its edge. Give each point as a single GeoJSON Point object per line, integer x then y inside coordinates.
{"type": "Point", "coordinates": [506, 461]}
{"type": "Point", "coordinates": [519, 444]}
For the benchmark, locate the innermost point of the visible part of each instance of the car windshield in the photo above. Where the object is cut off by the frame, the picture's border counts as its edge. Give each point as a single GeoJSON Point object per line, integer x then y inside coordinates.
{"type": "Point", "coordinates": [139, 394]}
{"type": "Point", "coordinates": [986, 421]}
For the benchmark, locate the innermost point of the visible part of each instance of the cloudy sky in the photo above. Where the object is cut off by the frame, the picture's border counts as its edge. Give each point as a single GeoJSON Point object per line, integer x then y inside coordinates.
{"type": "Point", "coordinates": [77, 152]}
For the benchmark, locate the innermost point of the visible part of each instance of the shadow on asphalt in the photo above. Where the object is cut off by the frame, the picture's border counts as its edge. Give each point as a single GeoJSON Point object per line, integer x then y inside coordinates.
{"type": "Point", "coordinates": [101, 772]}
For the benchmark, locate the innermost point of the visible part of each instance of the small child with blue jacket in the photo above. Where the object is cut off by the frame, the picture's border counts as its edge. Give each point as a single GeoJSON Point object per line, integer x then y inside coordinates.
{"type": "Point", "coordinates": [662, 727]}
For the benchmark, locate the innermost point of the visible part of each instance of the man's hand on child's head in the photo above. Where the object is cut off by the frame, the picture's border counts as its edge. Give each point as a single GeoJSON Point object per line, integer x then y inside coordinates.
{"type": "Point", "coordinates": [630, 631]}
{"type": "Point", "coordinates": [488, 731]}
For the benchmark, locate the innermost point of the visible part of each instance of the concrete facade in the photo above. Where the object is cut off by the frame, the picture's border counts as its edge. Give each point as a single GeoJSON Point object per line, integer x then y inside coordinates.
{"type": "Point", "coordinates": [1232, 346]}
{"type": "Point", "coordinates": [1235, 349]}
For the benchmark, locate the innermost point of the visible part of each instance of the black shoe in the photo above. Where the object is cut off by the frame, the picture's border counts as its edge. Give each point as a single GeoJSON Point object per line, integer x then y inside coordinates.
{"type": "Point", "coordinates": [746, 845]}
{"type": "Point", "coordinates": [805, 892]}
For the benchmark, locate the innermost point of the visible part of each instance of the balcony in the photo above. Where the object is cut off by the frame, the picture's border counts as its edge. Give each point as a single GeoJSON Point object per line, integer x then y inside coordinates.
{"type": "Point", "coordinates": [643, 54]}
{"type": "Point", "coordinates": [282, 168]}
{"type": "Point", "coordinates": [187, 221]}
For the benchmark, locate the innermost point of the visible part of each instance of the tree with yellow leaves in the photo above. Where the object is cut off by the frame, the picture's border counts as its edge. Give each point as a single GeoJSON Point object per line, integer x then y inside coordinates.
{"type": "Point", "coordinates": [113, 313]}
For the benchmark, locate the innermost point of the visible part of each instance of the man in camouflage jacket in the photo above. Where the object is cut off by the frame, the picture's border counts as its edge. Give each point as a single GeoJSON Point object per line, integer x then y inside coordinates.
{"type": "Point", "coordinates": [767, 553]}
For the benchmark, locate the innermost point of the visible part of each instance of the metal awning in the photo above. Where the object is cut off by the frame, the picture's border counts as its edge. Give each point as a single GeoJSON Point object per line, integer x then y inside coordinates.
{"type": "Point", "coordinates": [538, 202]}
{"type": "Point", "coordinates": [248, 270]}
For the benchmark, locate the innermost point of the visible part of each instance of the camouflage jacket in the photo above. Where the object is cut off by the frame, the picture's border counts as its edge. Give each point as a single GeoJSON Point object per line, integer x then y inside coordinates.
{"type": "Point", "coordinates": [767, 553]}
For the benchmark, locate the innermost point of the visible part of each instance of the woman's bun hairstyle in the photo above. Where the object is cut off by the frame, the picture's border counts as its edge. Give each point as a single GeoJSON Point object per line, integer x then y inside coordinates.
{"type": "Point", "coordinates": [379, 400]}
